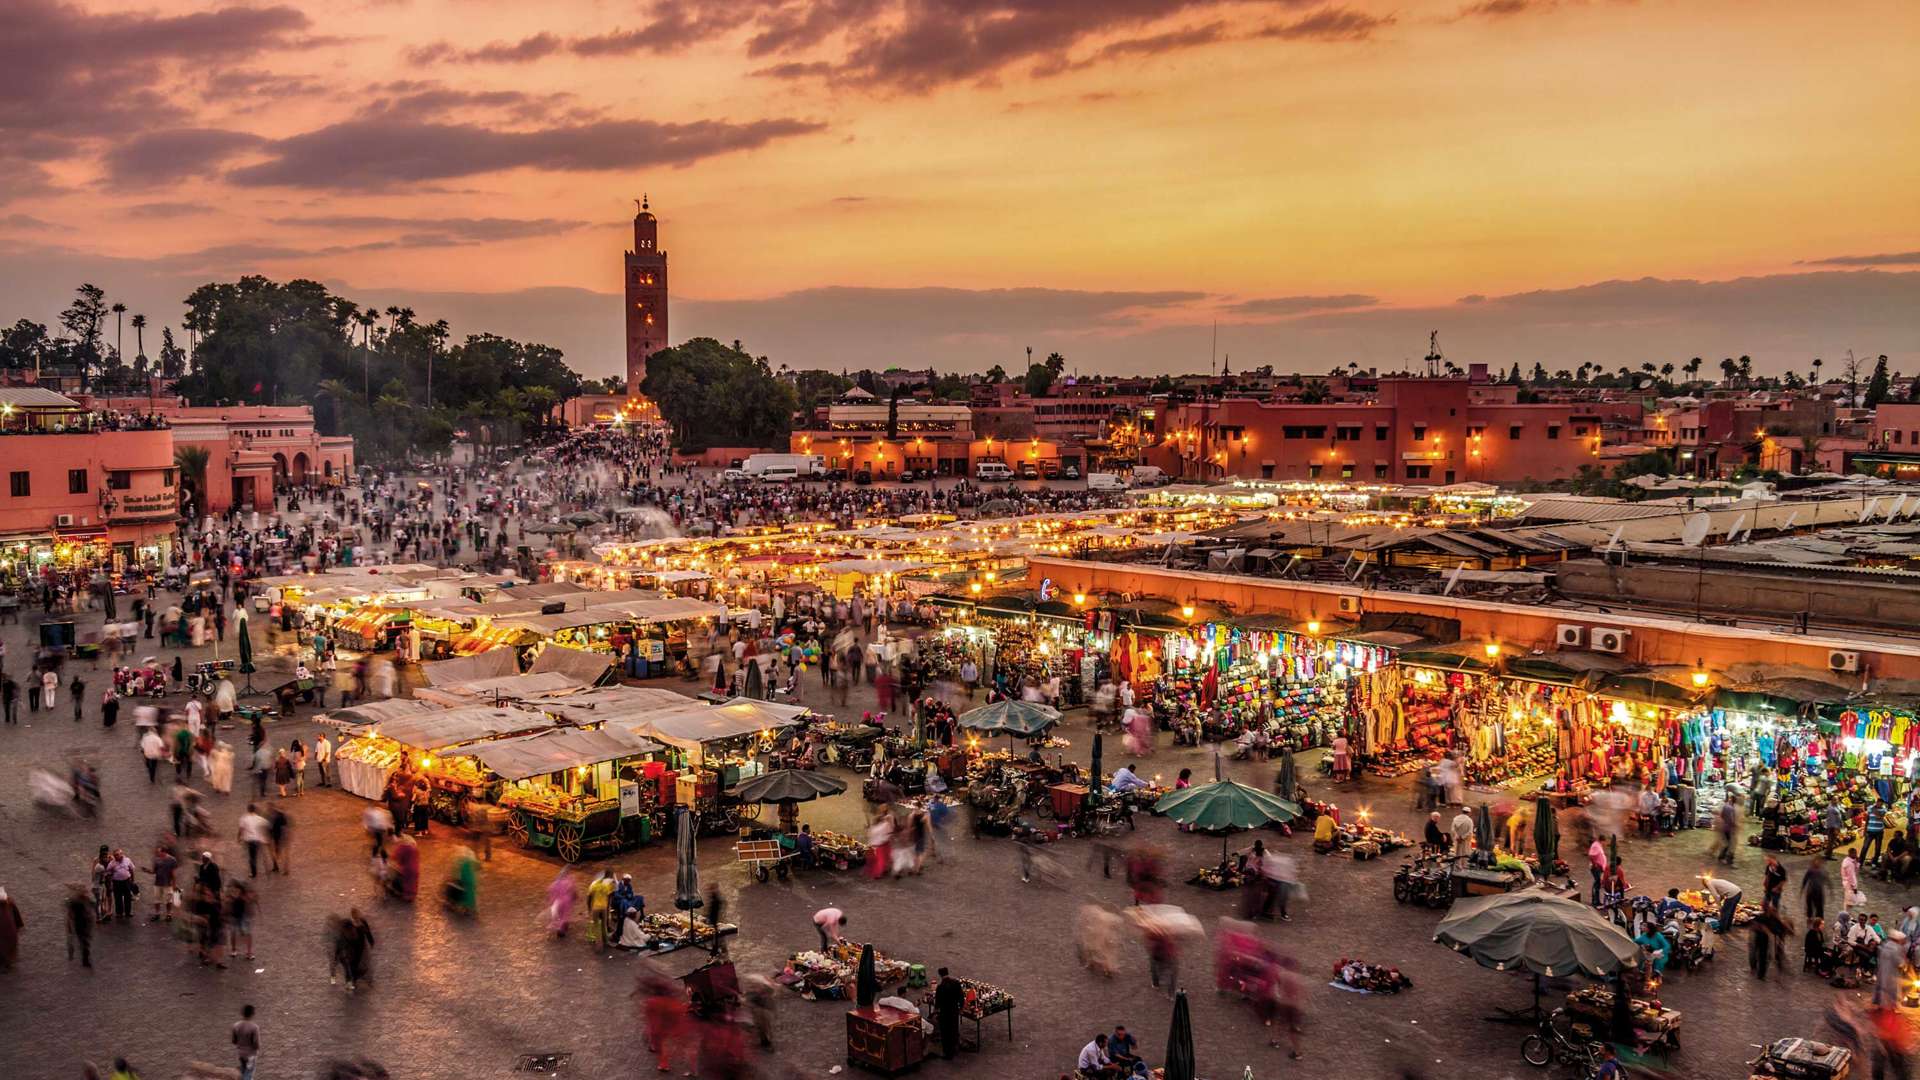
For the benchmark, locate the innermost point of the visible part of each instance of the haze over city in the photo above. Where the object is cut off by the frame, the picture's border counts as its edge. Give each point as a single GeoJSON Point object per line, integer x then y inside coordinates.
{"type": "Point", "coordinates": [849, 183]}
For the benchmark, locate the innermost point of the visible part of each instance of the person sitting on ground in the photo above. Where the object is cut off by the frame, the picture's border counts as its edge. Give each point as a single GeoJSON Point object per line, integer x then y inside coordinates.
{"type": "Point", "coordinates": [1094, 1061]}
{"type": "Point", "coordinates": [1819, 959]}
{"type": "Point", "coordinates": [1125, 780]}
{"type": "Point", "coordinates": [1122, 1047]}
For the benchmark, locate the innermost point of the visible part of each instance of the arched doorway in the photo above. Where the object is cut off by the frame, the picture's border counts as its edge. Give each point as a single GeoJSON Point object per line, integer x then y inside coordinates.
{"type": "Point", "coordinates": [326, 469]}
{"type": "Point", "coordinates": [279, 469]}
{"type": "Point", "coordinates": [300, 468]}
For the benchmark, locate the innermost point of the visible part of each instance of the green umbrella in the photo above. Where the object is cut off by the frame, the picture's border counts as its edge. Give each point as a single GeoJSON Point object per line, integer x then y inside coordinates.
{"type": "Point", "coordinates": [1022, 718]}
{"type": "Point", "coordinates": [1225, 806]}
{"type": "Point", "coordinates": [1180, 1063]}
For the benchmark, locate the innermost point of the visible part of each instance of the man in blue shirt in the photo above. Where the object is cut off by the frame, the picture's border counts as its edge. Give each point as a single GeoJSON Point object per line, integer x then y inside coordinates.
{"type": "Point", "coordinates": [1125, 780]}
{"type": "Point", "coordinates": [1121, 1047]}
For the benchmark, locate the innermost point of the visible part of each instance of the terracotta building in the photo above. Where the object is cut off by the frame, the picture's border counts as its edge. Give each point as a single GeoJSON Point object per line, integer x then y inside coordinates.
{"type": "Point", "coordinates": [646, 289]}
{"type": "Point", "coordinates": [84, 487]}
{"type": "Point", "coordinates": [1415, 431]}
{"type": "Point", "coordinates": [253, 450]}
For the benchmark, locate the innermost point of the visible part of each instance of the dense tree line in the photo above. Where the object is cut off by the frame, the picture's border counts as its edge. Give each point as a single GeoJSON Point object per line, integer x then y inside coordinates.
{"type": "Point", "coordinates": [393, 383]}
{"type": "Point", "coordinates": [719, 395]}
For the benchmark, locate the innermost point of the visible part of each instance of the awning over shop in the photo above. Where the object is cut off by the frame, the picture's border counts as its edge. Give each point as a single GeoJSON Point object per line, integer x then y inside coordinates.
{"type": "Point", "coordinates": [584, 667]}
{"type": "Point", "coordinates": [492, 664]}
{"type": "Point", "coordinates": [611, 704]}
{"type": "Point", "coordinates": [514, 687]}
{"type": "Point", "coordinates": [1444, 659]}
{"type": "Point", "coordinates": [1647, 690]}
{"type": "Point", "coordinates": [649, 611]}
{"type": "Point", "coordinates": [1582, 669]}
{"type": "Point", "coordinates": [559, 750]}
{"type": "Point", "coordinates": [440, 729]}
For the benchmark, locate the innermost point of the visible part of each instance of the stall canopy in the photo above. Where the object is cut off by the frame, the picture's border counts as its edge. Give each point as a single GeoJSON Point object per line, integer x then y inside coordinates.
{"type": "Point", "coordinates": [1647, 689]}
{"type": "Point", "coordinates": [377, 712]}
{"type": "Point", "coordinates": [586, 668]}
{"type": "Point", "coordinates": [693, 726]}
{"type": "Point", "coordinates": [1582, 669]}
{"type": "Point", "coordinates": [614, 704]}
{"type": "Point", "coordinates": [515, 687]}
{"type": "Point", "coordinates": [444, 728]}
{"type": "Point", "coordinates": [555, 751]}
{"type": "Point", "coordinates": [647, 611]}
{"type": "Point", "coordinates": [491, 664]}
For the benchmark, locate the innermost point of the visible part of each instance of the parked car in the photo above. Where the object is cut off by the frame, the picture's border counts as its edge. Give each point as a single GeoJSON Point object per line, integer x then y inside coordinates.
{"type": "Point", "coordinates": [734, 476]}
{"type": "Point", "coordinates": [863, 477]}
{"type": "Point", "coordinates": [1071, 472]}
{"type": "Point", "coordinates": [1029, 471]}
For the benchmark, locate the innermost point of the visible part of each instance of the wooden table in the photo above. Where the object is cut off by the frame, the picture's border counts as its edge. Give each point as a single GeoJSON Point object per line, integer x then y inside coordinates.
{"type": "Point", "coordinates": [886, 1040]}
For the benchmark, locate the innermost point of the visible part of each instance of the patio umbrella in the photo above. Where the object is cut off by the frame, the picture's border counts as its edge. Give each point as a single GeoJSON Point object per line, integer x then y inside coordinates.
{"type": "Point", "coordinates": [787, 786]}
{"type": "Point", "coordinates": [756, 686]}
{"type": "Point", "coordinates": [583, 518]}
{"type": "Point", "coordinates": [1546, 834]}
{"type": "Point", "coordinates": [686, 876]}
{"type": "Point", "coordinates": [1020, 718]}
{"type": "Point", "coordinates": [548, 528]}
{"type": "Point", "coordinates": [1180, 1064]}
{"type": "Point", "coordinates": [1225, 806]}
{"type": "Point", "coordinates": [867, 984]}
{"type": "Point", "coordinates": [1539, 932]}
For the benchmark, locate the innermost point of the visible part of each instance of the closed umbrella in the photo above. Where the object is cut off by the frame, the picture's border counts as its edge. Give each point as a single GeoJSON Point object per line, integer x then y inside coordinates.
{"type": "Point", "coordinates": [755, 685]}
{"type": "Point", "coordinates": [1288, 783]}
{"type": "Point", "coordinates": [1483, 828]}
{"type": "Point", "coordinates": [686, 876]}
{"type": "Point", "coordinates": [246, 654]}
{"type": "Point", "coordinates": [867, 983]}
{"type": "Point", "coordinates": [1096, 788]}
{"type": "Point", "coordinates": [1180, 1063]}
{"type": "Point", "coordinates": [1546, 835]}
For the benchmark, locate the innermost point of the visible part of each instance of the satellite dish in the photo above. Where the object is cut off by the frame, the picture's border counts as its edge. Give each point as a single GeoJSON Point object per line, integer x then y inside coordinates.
{"type": "Point", "coordinates": [1739, 523]}
{"type": "Point", "coordinates": [1899, 503]}
{"type": "Point", "coordinates": [1791, 518]}
{"type": "Point", "coordinates": [1613, 542]}
{"type": "Point", "coordinates": [1452, 580]}
{"type": "Point", "coordinates": [1866, 512]}
{"type": "Point", "coordinates": [1695, 534]}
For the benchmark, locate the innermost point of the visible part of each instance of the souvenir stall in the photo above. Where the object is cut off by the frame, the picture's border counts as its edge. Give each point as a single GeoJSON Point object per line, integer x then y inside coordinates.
{"type": "Point", "coordinates": [711, 749]}
{"type": "Point", "coordinates": [362, 765]}
{"type": "Point", "coordinates": [1505, 727]}
{"type": "Point", "coordinates": [431, 743]}
{"type": "Point", "coordinates": [1279, 686]}
{"type": "Point", "coordinates": [830, 974]}
{"type": "Point", "coordinates": [575, 792]}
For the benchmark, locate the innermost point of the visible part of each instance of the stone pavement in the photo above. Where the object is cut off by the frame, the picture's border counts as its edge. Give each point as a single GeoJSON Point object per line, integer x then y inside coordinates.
{"type": "Point", "coordinates": [459, 997]}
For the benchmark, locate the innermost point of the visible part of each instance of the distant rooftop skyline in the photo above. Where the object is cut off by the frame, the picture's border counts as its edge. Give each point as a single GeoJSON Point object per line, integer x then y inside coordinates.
{"type": "Point", "coordinates": [863, 183]}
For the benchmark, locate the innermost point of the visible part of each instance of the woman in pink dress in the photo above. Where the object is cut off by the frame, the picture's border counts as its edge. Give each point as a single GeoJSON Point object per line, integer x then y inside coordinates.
{"type": "Point", "coordinates": [1342, 763]}
{"type": "Point", "coordinates": [561, 897]}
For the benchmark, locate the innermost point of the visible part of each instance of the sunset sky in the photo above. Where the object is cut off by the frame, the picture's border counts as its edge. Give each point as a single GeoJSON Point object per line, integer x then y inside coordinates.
{"type": "Point", "coordinates": [945, 182]}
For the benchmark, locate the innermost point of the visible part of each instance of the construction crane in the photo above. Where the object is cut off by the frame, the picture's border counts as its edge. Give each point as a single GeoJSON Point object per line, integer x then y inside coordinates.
{"type": "Point", "coordinates": [1434, 359]}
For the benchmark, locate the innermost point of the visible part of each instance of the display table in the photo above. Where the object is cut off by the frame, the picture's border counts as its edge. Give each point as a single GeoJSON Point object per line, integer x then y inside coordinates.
{"type": "Point", "coordinates": [887, 1040]}
{"type": "Point", "coordinates": [361, 778]}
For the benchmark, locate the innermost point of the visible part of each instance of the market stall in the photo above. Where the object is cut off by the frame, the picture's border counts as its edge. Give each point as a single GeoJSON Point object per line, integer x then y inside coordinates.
{"type": "Point", "coordinates": [575, 792]}
{"type": "Point", "coordinates": [419, 739]}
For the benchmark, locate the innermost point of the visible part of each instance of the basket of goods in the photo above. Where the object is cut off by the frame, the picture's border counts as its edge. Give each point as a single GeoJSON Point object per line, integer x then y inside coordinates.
{"type": "Point", "coordinates": [1802, 1059]}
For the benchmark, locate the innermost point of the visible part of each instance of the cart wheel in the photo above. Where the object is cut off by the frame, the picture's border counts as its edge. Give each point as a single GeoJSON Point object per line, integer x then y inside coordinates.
{"type": "Point", "coordinates": [761, 873]}
{"type": "Point", "coordinates": [781, 870]}
{"type": "Point", "coordinates": [1043, 809]}
{"type": "Point", "coordinates": [566, 841]}
{"type": "Point", "coordinates": [517, 828]}
{"type": "Point", "coordinates": [1535, 1051]}
{"type": "Point", "coordinates": [1402, 890]}
{"type": "Point", "coordinates": [750, 812]}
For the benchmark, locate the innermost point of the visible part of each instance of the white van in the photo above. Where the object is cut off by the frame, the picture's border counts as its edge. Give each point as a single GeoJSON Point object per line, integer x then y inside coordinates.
{"type": "Point", "coordinates": [1148, 475]}
{"type": "Point", "coordinates": [992, 472]}
{"type": "Point", "coordinates": [1105, 481]}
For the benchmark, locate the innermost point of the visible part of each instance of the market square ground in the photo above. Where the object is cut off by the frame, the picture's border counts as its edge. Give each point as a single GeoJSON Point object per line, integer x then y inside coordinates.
{"type": "Point", "coordinates": [459, 997]}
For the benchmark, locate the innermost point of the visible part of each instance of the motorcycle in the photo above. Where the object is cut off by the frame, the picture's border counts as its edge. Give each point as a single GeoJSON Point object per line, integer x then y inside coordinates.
{"type": "Point", "coordinates": [1423, 881]}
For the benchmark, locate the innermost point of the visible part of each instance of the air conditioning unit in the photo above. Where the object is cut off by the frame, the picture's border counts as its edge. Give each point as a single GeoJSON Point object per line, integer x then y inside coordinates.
{"type": "Point", "coordinates": [1570, 635]}
{"type": "Point", "coordinates": [1843, 660]}
{"type": "Point", "coordinates": [64, 521]}
{"type": "Point", "coordinates": [1608, 639]}
{"type": "Point", "coordinates": [1349, 604]}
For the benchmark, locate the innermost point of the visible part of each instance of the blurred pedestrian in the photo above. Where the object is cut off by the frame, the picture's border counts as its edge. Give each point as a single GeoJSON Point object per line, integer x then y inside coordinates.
{"type": "Point", "coordinates": [79, 909]}
{"type": "Point", "coordinates": [246, 1041]}
{"type": "Point", "coordinates": [10, 926]}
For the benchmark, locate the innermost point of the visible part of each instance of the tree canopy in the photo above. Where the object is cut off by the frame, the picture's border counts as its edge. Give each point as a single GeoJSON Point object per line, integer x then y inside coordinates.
{"type": "Point", "coordinates": [392, 383]}
{"type": "Point", "coordinates": [718, 395]}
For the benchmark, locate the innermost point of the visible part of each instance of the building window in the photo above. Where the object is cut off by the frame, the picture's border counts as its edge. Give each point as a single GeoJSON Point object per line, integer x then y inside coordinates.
{"type": "Point", "coordinates": [76, 481]}
{"type": "Point", "coordinates": [22, 483]}
{"type": "Point", "coordinates": [1313, 472]}
{"type": "Point", "coordinates": [1553, 431]}
{"type": "Point", "coordinates": [1419, 472]}
{"type": "Point", "coordinates": [166, 478]}
{"type": "Point", "coordinates": [1379, 433]}
{"type": "Point", "coordinates": [1266, 472]}
{"type": "Point", "coordinates": [1474, 431]}
{"type": "Point", "coordinates": [1347, 433]}
{"type": "Point", "coordinates": [1579, 429]}
{"type": "Point", "coordinates": [1513, 431]}
{"type": "Point", "coordinates": [1346, 470]}
{"type": "Point", "coordinates": [1379, 472]}
{"type": "Point", "coordinates": [120, 480]}
{"type": "Point", "coordinates": [1419, 433]}
{"type": "Point", "coordinates": [1303, 431]}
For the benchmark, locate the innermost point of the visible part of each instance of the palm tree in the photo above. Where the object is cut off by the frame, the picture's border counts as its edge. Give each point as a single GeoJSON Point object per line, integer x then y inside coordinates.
{"type": "Point", "coordinates": [1816, 370]}
{"type": "Point", "coordinates": [1666, 372]}
{"type": "Point", "coordinates": [1693, 369]}
{"type": "Point", "coordinates": [192, 463]}
{"type": "Point", "coordinates": [1728, 369]}
{"type": "Point", "coordinates": [140, 342]}
{"type": "Point", "coordinates": [1746, 370]}
{"type": "Point", "coordinates": [439, 332]}
{"type": "Point", "coordinates": [118, 310]}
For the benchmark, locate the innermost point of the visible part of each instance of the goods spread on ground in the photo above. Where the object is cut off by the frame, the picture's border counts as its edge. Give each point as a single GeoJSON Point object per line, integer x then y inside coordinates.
{"type": "Point", "coordinates": [833, 974]}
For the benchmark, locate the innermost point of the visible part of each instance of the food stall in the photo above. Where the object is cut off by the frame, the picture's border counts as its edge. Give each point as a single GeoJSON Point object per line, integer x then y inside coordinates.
{"type": "Point", "coordinates": [574, 792]}
{"type": "Point", "coordinates": [712, 748]}
{"type": "Point", "coordinates": [421, 740]}
{"type": "Point", "coordinates": [830, 974]}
